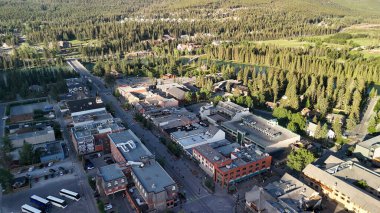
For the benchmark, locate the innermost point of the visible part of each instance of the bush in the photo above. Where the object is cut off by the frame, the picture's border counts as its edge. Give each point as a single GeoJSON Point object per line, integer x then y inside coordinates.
{"type": "Point", "coordinates": [100, 205]}
{"type": "Point", "coordinates": [91, 182]}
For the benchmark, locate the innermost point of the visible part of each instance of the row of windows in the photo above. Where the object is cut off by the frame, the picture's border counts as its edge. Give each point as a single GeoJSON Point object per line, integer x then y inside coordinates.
{"type": "Point", "coordinates": [109, 184]}
{"type": "Point", "coordinates": [232, 174]}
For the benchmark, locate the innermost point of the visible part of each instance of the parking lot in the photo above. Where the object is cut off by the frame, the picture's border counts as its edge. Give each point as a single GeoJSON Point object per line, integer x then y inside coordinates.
{"type": "Point", "coordinates": [13, 202]}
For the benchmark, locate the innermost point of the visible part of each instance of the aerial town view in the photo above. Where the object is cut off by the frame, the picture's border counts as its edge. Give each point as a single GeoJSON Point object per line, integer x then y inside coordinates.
{"type": "Point", "coordinates": [197, 106]}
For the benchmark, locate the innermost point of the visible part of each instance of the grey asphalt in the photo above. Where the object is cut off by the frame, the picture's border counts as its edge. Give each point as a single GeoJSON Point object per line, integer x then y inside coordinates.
{"type": "Point", "coordinates": [2, 122]}
{"type": "Point", "coordinates": [13, 202]}
{"type": "Point", "coordinates": [198, 199]}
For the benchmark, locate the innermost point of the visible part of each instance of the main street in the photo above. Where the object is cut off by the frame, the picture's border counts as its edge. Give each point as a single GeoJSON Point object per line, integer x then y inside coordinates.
{"type": "Point", "coordinates": [198, 198]}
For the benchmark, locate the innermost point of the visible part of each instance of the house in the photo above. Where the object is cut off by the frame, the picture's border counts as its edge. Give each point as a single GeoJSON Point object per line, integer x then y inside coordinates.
{"type": "Point", "coordinates": [51, 151]}
{"type": "Point", "coordinates": [286, 195]}
{"type": "Point", "coordinates": [305, 112]}
{"type": "Point", "coordinates": [312, 128]}
{"type": "Point", "coordinates": [369, 149]}
{"type": "Point", "coordinates": [111, 179]}
{"type": "Point", "coordinates": [64, 44]}
{"type": "Point", "coordinates": [332, 117]}
{"type": "Point", "coordinates": [341, 181]}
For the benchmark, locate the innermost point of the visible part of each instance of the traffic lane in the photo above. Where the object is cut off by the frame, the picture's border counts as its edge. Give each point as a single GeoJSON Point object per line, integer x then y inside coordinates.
{"type": "Point", "coordinates": [2, 122]}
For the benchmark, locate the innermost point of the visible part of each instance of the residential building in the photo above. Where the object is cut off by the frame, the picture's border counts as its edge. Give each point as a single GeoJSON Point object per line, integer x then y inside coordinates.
{"type": "Point", "coordinates": [156, 187]}
{"type": "Point", "coordinates": [51, 151]}
{"type": "Point", "coordinates": [369, 149]}
{"type": "Point", "coordinates": [199, 136]}
{"type": "Point", "coordinates": [85, 106]}
{"type": "Point", "coordinates": [223, 111]}
{"type": "Point", "coordinates": [242, 163]}
{"type": "Point", "coordinates": [111, 179]}
{"type": "Point", "coordinates": [311, 130]}
{"type": "Point", "coordinates": [332, 117]}
{"type": "Point", "coordinates": [286, 195]}
{"type": "Point", "coordinates": [347, 182]}
{"type": "Point", "coordinates": [261, 133]}
{"type": "Point", "coordinates": [33, 137]}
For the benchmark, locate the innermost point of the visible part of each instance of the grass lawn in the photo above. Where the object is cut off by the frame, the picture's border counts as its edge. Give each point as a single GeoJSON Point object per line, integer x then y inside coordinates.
{"type": "Point", "coordinates": [286, 43]}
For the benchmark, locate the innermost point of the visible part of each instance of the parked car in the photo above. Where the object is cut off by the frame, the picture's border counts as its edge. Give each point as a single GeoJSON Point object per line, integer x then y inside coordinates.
{"type": "Point", "coordinates": [50, 164]}
{"type": "Point", "coordinates": [61, 168]}
{"type": "Point", "coordinates": [89, 165]}
{"type": "Point", "coordinates": [107, 206]}
{"type": "Point", "coordinates": [31, 169]}
{"type": "Point", "coordinates": [96, 155]}
{"type": "Point", "coordinates": [52, 170]}
{"type": "Point", "coordinates": [110, 161]}
{"type": "Point", "coordinates": [106, 158]}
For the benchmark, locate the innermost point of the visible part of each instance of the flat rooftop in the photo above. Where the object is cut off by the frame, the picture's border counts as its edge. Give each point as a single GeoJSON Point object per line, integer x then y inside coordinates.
{"type": "Point", "coordinates": [152, 176]}
{"type": "Point", "coordinates": [332, 177]}
{"type": "Point", "coordinates": [243, 156]}
{"type": "Point", "coordinates": [370, 142]}
{"type": "Point", "coordinates": [47, 130]}
{"type": "Point", "coordinates": [111, 172]}
{"type": "Point", "coordinates": [95, 116]}
{"type": "Point", "coordinates": [52, 148]}
{"type": "Point", "coordinates": [210, 153]}
{"type": "Point", "coordinates": [85, 104]}
{"type": "Point", "coordinates": [260, 130]}
{"type": "Point", "coordinates": [351, 172]}
{"type": "Point", "coordinates": [28, 108]}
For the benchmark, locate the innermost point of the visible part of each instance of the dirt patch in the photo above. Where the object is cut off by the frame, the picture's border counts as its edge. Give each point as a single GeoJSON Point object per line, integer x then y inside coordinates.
{"type": "Point", "coordinates": [376, 51]}
{"type": "Point", "coordinates": [363, 27]}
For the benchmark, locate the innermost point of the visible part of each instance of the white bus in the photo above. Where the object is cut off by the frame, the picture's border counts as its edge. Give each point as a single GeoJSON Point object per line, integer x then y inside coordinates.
{"type": "Point", "coordinates": [57, 202]}
{"type": "Point", "coordinates": [69, 194]}
{"type": "Point", "coordinates": [42, 203]}
{"type": "Point", "coordinates": [29, 209]}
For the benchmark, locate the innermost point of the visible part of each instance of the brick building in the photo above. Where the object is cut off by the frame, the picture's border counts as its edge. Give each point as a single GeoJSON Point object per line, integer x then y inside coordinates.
{"type": "Point", "coordinates": [241, 164]}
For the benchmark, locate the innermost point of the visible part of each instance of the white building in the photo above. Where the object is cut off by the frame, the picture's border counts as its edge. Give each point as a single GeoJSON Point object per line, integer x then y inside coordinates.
{"type": "Point", "coordinates": [197, 137]}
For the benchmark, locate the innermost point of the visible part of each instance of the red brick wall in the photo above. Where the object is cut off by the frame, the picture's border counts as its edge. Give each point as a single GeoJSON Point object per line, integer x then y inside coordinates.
{"type": "Point", "coordinates": [116, 154]}
{"type": "Point", "coordinates": [243, 170]}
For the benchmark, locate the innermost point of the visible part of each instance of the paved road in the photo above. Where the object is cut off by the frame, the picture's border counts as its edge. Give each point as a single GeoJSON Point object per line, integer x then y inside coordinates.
{"type": "Point", "coordinates": [2, 121]}
{"type": "Point", "coordinates": [83, 187]}
{"type": "Point", "coordinates": [361, 128]}
{"type": "Point", "coordinates": [199, 199]}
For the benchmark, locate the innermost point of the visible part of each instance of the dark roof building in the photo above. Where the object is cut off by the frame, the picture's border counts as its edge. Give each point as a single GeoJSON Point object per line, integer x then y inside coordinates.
{"type": "Point", "coordinates": [111, 179]}
{"type": "Point", "coordinates": [85, 106]}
